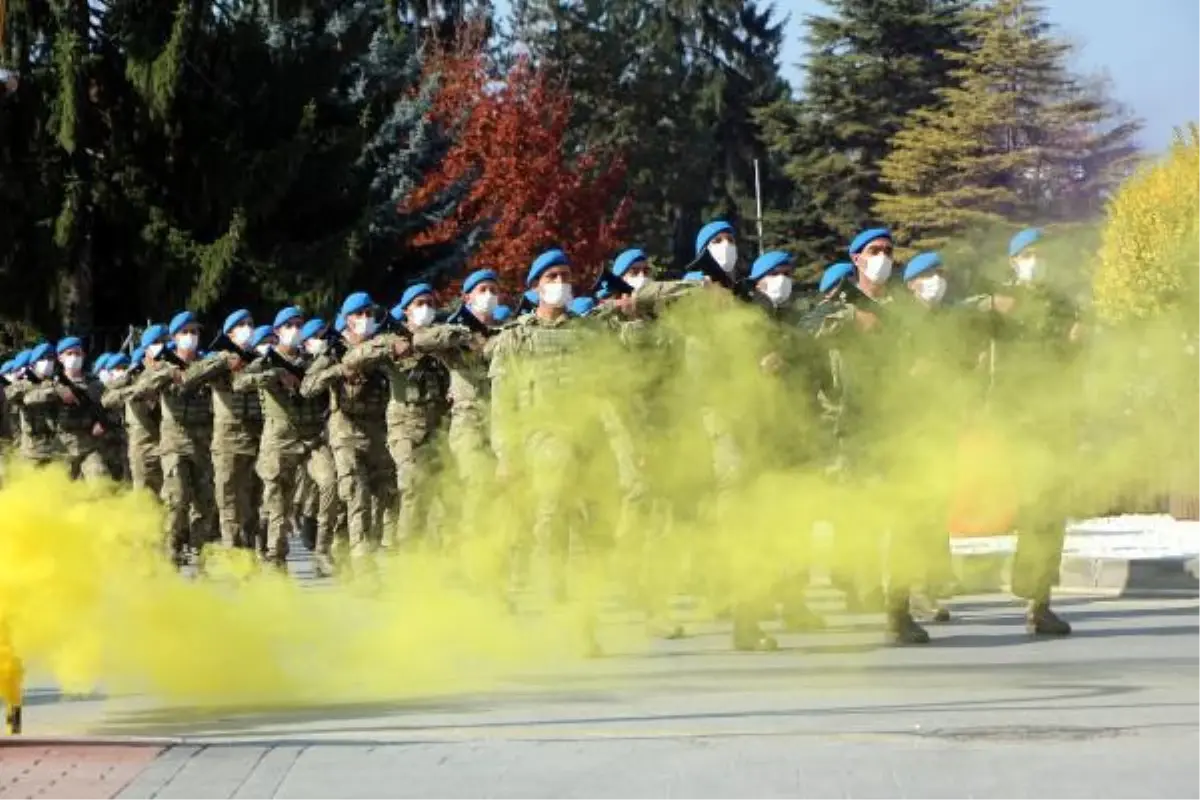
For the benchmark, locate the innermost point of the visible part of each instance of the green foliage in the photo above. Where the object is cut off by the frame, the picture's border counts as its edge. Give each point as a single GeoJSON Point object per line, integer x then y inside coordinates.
{"type": "Point", "coordinates": [1016, 139]}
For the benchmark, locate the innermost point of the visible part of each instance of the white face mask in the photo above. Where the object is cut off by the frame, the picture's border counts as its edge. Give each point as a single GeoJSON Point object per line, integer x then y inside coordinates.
{"type": "Point", "coordinates": [187, 343]}
{"type": "Point", "coordinates": [637, 281]}
{"type": "Point", "coordinates": [105, 377]}
{"type": "Point", "coordinates": [262, 349]}
{"type": "Point", "coordinates": [725, 254]}
{"type": "Point", "coordinates": [241, 334]}
{"type": "Point", "coordinates": [154, 349]}
{"type": "Point", "coordinates": [931, 289]}
{"type": "Point", "coordinates": [364, 326]}
{"type": "Point", "coordinates": [557, 295]}
{"type": "Point", "coordinates": [777, 288]}
{"type": "Point", "coordinates": [314, 347]}
{"type": "Point", "coordinates": [44, 368]}
{"type": "Point", "coordinates": [72, 364]}
{"type": "Point", "coordinates": [289, 336]}
{"type": "Point", "coordinates": [116, 374]}
{"type": "Point", "coordinates": [421, 316]}
{"type": "Point", "coordinates": [878, 269]}
{"type": "Point", "coordinates": [1027, 268]}
{"type": "Point", "coordinates": [483, 304]}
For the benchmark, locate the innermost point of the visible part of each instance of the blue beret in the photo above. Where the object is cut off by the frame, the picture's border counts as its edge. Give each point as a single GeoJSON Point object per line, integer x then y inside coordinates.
{"type": "Point", "coordinates": [835, 274]}
{"type": "Point", "coordinates": [548, 259]}
{"type": "Point", "coordinates": [397, 313]}
{"type": "Point", "coordinates": [769, 261]}
{"type": "Point", "coordinates": [42, 351]}
{"type": "Point", "coordinates": [582, 306]}
{"type": "Point", "coordinates": [710, 232]}
{"type": "Point", "coordinates": [153, 334]}
{"type": "Point", "coordinates": [359, 301]}
{"type": "Point", "coordinates": [22, 359]}
{"type": "Point", "coordinates": [477, 277]}
{"type": "Point", "coordinates": [139, 353]}
{"type": "Point", "coordinates": [260, 333]}
{"type": "Point", "coordinates": [66, 344]}
{"type": "Point", "coordinates": [101, 362]}
{"type": "Point", "coordinates": [339, 322]}
{"type": "Point", "coordinates": [922, 262]}
{"type": "Point", "coordinates": [1024, 239]}
{"type": "Point", "coordinates": [117, 360]}
{"type": "Point", "coordinates": [627, 259]}
{"type": "Point", "coordinates": [312, 328]}
{"type": "Point", "coordinates": [868, 236]}
{"type": "Point", "coordinates": [501, 313]}
{"type": "Point", "coordinates": [603, 293]}
{"type": "Point", "coordinates": [180, 320]}
{"type": "Point", "coordinates": [531, 297]}
{"type": "Point", "coordinates": [413, 292]}
{"type": "Point", "coordinates": [235, 319]}
{"type": "Point", "coordinates": [695, 276]}
{"type": "Point", "coordinates": [286, 315]}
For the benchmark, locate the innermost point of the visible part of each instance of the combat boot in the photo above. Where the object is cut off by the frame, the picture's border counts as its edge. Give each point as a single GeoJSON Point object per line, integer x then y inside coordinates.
{"type": "Point", "coordinates": [1041, 621]}
{"type": "Point", "coordinates": [901, 627]}
{"type": "Point", "coordinates": [12, 720]}
{"type": "Point", "coordinates": [308, 533]}
{"type": "Point", "coordinates": [748, 636]}
{"type": "Point", "coordinates": [930, 609]}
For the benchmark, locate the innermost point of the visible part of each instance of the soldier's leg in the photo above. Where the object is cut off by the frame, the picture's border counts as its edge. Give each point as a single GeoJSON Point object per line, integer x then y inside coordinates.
{"type": "Point", "coordinates": [355, 494]}
{"type": "Point", "coordinates": [548, 459]}
{"type": "Point", "coordinates": [226, 491]}
{"type": "Point", "coordinates": [907, 550]}
{"type": "Point", "coordinates": [403, 442]}
{"type": "Point", "coordinates": [322, 475]}
{"type": "Point", "coordinates": [277, 473]}
{"type": "Point", "coordinates": [176, 498]}
{"type": "Point", "coordinates": [248, 495]}
{"type": "Point", "coordinates": [1035, 571]}
{"type": "Point", "coordinates": [204, 526]}
{"type": "Point", "coordinates": [305, 504]}
{"type": "Point", "coordinates": [475, 468]}
{"type": "Point", "coordinates": [94, 467]}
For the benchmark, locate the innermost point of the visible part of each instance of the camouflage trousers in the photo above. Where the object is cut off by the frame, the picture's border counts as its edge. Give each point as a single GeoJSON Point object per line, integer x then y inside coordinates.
{"type": "Point", "coordinates": [473, 464]}
{"type": "Point", "coordinates": [412, 445]}
{"type": "Point", "coordinates": [89, 466]}
{"type": "Point", "coordinates": [281, 473]}
{"type": "Point", "coordinates": [187, 494]}
{"type": "Point", "coordinates": [234, 485]}
{"type": "Point", "coordinates": [366, 486]}
{"type": "Point", "coordinates": [145, 468]}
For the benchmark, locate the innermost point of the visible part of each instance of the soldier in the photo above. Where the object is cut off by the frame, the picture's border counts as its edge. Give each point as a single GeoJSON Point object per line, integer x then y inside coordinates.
{"type": "Point", "coordinates": [469, 393]}
{"type": "Point", "coordinates": [847, 325]}
{"type": "Point", "coordinates": [358, 395]}
{"type": "Point", "coordinates": [237, 425]}
{"type": "Point", "coordinates": [417, 405]}
{"type": "Point", "coordinates": [185, 441]}
{"type": "Point", "coordinates": [292, 442]}
{"type": "Point", "coordinates": [81, 422]}
{"type": "Point", "coordinates": [305, 503]}
{"type": "Point", "coordinates": [1036, 330]}
{"type": "Point", "coordinates": [142, 415]}
{"type": "Point", "coordinates": [38, 443]}
{"type": "Point", "coordinates": [530, 365]}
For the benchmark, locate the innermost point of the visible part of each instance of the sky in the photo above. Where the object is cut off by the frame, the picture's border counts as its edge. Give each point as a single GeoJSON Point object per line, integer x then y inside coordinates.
{"type": "Point", "coordinates": [1150, 49]}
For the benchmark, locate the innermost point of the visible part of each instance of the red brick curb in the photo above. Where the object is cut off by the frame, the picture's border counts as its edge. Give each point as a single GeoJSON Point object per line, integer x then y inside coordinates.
{"type": "Point", "coordinates": [32, 768]}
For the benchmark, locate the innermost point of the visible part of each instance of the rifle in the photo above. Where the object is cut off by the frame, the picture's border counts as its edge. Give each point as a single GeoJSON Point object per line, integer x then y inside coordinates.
{"type": "Point", "coordinates": [226, 345]}
{"type": "Point", "coordinates": [741, 288]}
{"type": "Point", "coordinates": [611, 283]}
{"type": "Point", "coordinates": [526, 306]}
{"type": "Point", "coordinates": [463, 316]}
{"type": "Point", "coordinates": [84, 400]}
{"type": "Point", "coordinates": [276, 359]}
{"type": "Point", "coordinates": [168, 356]}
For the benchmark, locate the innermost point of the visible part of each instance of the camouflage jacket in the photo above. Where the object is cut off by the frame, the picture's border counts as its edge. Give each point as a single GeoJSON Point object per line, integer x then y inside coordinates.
{"type": "Point", "coordinates": [142, 417]}
{"type": "Point", "coordinates": [292, 423]}
{"type": "Point", "coordinates": [187, 415]}
{"type": "Point", "coordinates": [38, 441]}
{"type": "Point", "coordinates": [74, 423]}
{"type": "Point", "coordinates": [237, 416]}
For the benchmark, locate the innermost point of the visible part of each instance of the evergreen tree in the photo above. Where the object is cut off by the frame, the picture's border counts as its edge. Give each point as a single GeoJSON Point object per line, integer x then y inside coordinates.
{"type": "Point", "coordinates": [672, 85]}
{"type": "Point", "coordinates": [1017, 140]}
{"type": "Point", "coordinates": [871, 63]}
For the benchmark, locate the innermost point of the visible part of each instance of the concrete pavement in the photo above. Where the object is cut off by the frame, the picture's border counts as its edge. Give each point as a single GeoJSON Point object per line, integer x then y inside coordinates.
{"type": "Point", "coordinates": [984, 712]}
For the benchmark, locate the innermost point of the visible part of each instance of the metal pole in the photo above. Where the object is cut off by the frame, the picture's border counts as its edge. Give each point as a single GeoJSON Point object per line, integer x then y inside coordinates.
{"type": "Point", "coordinates": [758, 205]}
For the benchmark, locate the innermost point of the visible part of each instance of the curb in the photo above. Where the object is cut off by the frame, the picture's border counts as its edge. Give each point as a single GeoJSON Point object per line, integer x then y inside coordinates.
{"type": "Point", "coordinates": [1177, 576]}
{"type": "Point", "coordinates": [35, 740]}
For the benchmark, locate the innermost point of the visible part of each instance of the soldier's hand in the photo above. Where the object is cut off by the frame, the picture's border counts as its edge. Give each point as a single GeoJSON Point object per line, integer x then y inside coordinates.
{"type": "Point", "coordinates": [97, 429]}
{"type": "Point", "coordinates": [865, 320]}
{"type": "Point", "coordinates": [771, 363]}
{"type": "Point", "coordinates": [1003, 303]}
{"type": "Point", "coordinates": [626, 305]}
{"type": "Point", "coordinates": [289, 381]}
{"type": "Point", "coordinates": [401, 347]}
{"type": "Point", "coordinates": [67, 396]}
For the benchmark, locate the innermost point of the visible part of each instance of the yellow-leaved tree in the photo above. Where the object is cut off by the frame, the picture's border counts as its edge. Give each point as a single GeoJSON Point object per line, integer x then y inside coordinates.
{"type": "Point", "coordinates": [1150, 246]}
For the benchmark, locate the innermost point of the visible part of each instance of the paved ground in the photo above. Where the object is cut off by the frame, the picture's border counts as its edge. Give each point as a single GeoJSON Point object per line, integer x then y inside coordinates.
{"type": "Point", "coordinates": [985, 712]}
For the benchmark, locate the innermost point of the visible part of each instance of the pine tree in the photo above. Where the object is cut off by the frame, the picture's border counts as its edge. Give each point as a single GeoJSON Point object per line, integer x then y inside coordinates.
{"type": "Point", "coordinates": [871, 63]}
{"type": "Point", "coordinates": [1018, 140]}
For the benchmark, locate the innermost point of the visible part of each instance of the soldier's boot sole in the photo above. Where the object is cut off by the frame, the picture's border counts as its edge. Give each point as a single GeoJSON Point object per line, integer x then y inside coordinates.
{"type": "Point", "coordinates": [1041, 621]}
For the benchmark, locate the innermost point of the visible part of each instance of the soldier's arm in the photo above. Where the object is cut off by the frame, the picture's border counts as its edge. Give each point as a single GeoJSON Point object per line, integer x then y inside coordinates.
{"type": "Point", "coordinates": [117, 393]}
{"type": "Point", "coordinates": [321, 376]}
{"type": "Point", "coordinates": [43, 394]}
{"type": "Point", "coordinates": [206, 370]}
{"type": "Point", "coordinates": [654, 296]}
{"type": "Point", "coordinates": [152, 382]}
{"type": "Point", "coordinates": [440, 337]}
{"type": "Point", "coordinates": [257, 375]}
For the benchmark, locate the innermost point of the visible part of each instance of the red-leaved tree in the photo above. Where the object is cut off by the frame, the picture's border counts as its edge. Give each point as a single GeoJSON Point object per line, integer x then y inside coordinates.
{"type": "Point", "coordinates": [532, 191]}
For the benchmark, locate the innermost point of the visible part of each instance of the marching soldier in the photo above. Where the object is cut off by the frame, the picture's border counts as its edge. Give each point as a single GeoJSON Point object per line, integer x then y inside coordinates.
{"type": "Point", "coordinates": [38, 443]}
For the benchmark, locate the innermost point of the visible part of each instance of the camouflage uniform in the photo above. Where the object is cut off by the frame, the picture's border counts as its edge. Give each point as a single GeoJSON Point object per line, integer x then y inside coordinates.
{"type": "Point", "coordinates": [358, 394]}
{"type": "Point", "coordinates": [38, 442]}
{"type": "Point", "coordinates": [142, 420]}
{"type": "Point", "coordinates": [237, 426]}
{"type": "Point", "coordinates": [467, 437]}
{"type": "Point", "coordinates": [185, 447]}
{"type": "Point", "coordinates": [81, 443]}
{"type": "Point", "coordinates": [292, 445]}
